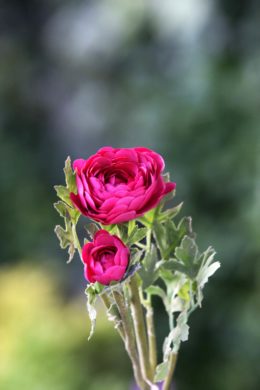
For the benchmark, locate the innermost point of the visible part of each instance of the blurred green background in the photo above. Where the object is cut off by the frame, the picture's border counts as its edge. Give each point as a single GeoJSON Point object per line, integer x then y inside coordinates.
{"type": "Point", "coordinates": [181, 77]}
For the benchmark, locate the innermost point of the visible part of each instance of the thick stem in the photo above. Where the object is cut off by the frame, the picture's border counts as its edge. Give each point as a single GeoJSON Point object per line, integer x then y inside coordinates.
{"type": "Point", "coordinates": [140, 333]}
{"type": "Point", "coordinates": [151, 336]}
{"type": "Point", "coordinates": [172, 364]}
{"type": "Point", "coordinates": [129, 339]}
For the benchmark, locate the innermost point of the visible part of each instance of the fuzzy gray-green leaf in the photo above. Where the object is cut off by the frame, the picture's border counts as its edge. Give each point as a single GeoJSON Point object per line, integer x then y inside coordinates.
{"type": "Point", "coordinates": [70, 176]}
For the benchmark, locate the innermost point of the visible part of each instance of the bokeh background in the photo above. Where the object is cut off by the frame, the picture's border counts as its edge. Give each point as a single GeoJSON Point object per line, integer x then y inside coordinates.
{"type": "Point", "coordinates": [181, 77]}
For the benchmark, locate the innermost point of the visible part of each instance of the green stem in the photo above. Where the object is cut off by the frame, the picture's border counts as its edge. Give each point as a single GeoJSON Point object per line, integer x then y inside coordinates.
{"type": "Point", "coordinates": [151, 336]}
{"type": "Point", "coordinates": [129, 339]}
{"type": "Point", "coordinates": [139, 326]}
{"type": "Point", "coordinates": [172, 365]}
{"type": "Point", "coordinates": [148, 240]}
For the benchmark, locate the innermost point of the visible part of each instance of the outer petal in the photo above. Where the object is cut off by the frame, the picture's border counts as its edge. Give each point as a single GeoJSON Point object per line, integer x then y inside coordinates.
{"type": "Point", "coordinates": [77, 203]}
{"type": "Point", "coordinates": [78, 164]}
{"type": "Point", "coordinates": [89, 275]}
{"type": "Point", "coordinates": [169, 187]}
{"type": "Point", "coordinates": [86, 252]}
{"type": "Point", "coordinates": [115, 273]}
{"type": "Point", "coordinates": [127, 216]}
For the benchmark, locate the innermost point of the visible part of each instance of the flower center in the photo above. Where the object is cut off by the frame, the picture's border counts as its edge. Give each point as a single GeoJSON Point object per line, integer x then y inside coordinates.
{"type": "Point", "coordinates": [106, 259]}
{"type": "Point", "coordinates": [115, 178]}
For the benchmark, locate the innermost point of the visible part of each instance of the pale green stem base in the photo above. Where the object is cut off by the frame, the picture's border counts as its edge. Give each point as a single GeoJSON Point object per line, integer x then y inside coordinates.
{"type": "Point", "coordinates": [172, 364]}
{"type": "Point", "coordinates": [140, 332]}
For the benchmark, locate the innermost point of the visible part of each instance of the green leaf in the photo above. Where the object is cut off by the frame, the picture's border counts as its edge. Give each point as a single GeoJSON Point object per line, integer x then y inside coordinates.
{"type": "Point", "coordinates": [66, 238]}
{"type": "Point", "coordinates": [135, 255]}
{"type": "Point", "coordinates": [70, 176]}
{"type": "Point", "coordinates": [91, 300]}
{"type": "Point", "coordinates": [63, 193]}
{"type": "Point", "coordinates": [113, 315]}
{"type": "Point", "coordinates": [172, 265]}
{"type": "Point", "coordinates": [137, 235]}
{"type": "Point", "coordinates": [156, 290]}
{"type": "Point", "coordinates": [178, 334]}
{"type": "Point", "coordinates": [148, 272]}
{"type": "Point", "coordinates": [187, 252]}
{"type": "Point", "coordinates": [170, 213]}
{"type": "Point", "coordinates": [112, 229]}
{"type": "Point", "coordinates": [66, 211]}
{"type": "Point", "coordinates": [161, 371]}
{"type": "Point", "coordinates": [149, 217]}
{"type": "Point", "coordinates": [131, 227]}
{"type": "Point", "coordinates": [206, 270]}
{"type": "Point", "coordinates": [122, 231]}
{"type": "Point", "coordinates": [92, 229]}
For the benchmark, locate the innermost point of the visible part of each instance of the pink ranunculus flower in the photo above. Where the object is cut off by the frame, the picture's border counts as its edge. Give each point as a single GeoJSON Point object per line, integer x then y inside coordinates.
{"type": "Point", "coordinates": [117, 185]}
{"type": "Point", "coordinates": [106, 258]}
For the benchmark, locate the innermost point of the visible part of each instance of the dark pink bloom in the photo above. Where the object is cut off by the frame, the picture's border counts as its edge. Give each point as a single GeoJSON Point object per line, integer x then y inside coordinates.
{"type": "Point", "coordinates": [117, 185]}
{"type": "Point", "coordinates": [106, 258]}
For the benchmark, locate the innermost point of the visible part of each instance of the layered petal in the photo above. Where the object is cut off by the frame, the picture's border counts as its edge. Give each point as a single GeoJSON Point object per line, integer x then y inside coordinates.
{"type": "Point", "coordinates": [116, 185]}
{"type": "Point", "coordinates": [106, 258]}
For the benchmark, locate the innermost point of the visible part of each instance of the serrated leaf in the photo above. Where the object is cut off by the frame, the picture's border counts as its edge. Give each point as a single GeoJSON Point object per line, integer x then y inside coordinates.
{"type": "Point", "coordinates": [63, 193]}
{"type": "Point", "coordinates": [170, 213]}
{"type": "Point", "coordinates": [113, 315]}
{"type": "Point", "coordinates": [66, 239]}
{"type": "Point", "coordinates": [168, 236]}
{"type": "Point", "coordinates": [137, 235]}
{"type": "Point", "coordinates": [172, 265]}
{"type": "Point", "coordinates": [205, 273]}
{"type": "Point", "coordinates": [61, 208]}
{"type": "Point", "coordinates": [178, 334]}
{"type": "Point", "coordinates": [70, 176]}
{"type": "Point", "coordinates": [64, 236]}
{"type": "Point", "coordinates": [91, 300]}
{"type": "Point", "coordinates": [131, 227]}
{"type": "Point", "coordinates": [160, 237]}
{"type": "Point", "coordinates": [187, 252]}
{"type": "Point", "coordinates": [148, 272]}
{"type": "Point", "coordinates": [206, 270]}
{"type": "Point", "coordinates": [149, 217]}
{"type": "Point", "coordinates": [161, 371]}
{"type": "Point", "coordinates": [156, 290]}
{"type": "Point", "coordinates": [66, 211]}
{"type": "Point", "coordinates": [92, 229]}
